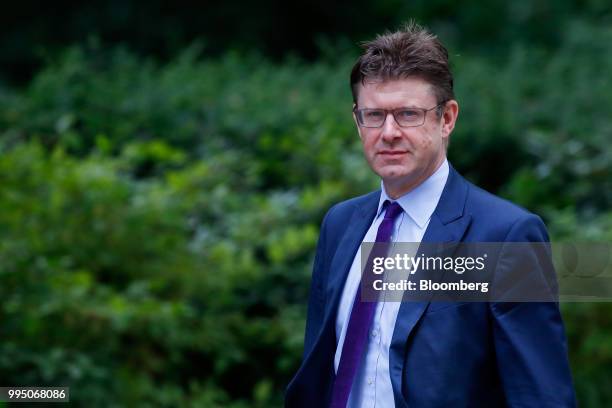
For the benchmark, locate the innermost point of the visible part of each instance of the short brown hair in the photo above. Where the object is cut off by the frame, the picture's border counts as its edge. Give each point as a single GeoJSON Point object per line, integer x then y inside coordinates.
{"type": "Point", "coordinates": [411, 51]}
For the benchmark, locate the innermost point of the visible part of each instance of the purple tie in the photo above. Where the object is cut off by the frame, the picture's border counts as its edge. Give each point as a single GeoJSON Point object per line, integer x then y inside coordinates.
{"type": "Point", "coordinates": [361, 320]}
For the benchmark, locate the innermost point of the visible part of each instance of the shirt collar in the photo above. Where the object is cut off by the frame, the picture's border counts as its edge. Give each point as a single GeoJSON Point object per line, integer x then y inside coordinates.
{"type": "Point", "coordinates": [420, 202]}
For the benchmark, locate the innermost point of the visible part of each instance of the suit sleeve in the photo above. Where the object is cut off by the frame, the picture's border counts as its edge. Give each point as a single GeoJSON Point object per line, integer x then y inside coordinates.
{"type": "Point", "coordinates": [316, 300]}
{"type": "Point", "coordinates": [529, 337]}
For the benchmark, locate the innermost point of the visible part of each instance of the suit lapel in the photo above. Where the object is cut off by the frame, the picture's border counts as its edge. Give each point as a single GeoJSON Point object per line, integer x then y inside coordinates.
{"type": "Point", "coordinates": [325, 344]}
{"type": "Point", "coordinates": [448, 224]}
{"type": "Point", "coordinates": [341, 263]}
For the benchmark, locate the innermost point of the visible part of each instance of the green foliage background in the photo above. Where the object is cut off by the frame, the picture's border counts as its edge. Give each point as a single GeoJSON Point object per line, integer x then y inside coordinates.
{"type": "Point", "coordinates": [158, 220]}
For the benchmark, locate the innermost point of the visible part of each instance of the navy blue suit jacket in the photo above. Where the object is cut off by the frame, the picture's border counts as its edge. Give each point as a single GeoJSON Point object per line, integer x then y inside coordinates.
{"type": "Point", "coordinates": [442, 354]}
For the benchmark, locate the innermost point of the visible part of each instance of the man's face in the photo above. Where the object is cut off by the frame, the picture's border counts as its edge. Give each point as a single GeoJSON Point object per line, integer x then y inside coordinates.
{"type": "Point", "coordinates": [404, 156]}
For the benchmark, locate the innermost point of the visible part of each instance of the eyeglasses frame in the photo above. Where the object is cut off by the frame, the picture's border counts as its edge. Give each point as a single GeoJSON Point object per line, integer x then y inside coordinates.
{"type": "Point", "coordinates": [393, 111]}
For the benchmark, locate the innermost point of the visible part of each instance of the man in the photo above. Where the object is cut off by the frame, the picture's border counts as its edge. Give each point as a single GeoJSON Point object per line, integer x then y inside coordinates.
{"type": "Point", "coordinates": [421, 354]}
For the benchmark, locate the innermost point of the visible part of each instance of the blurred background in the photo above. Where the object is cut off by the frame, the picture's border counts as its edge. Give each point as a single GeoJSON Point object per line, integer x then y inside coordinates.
{"type": "Point", "coordinates": [165, 166]}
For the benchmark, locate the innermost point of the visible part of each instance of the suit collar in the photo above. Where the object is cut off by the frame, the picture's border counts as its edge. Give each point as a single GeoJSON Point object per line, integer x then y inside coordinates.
{"type": "Point", "coordinates": [452, 203]}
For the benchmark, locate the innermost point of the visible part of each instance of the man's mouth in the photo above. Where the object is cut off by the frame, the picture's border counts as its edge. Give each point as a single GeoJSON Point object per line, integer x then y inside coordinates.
{"type": "Point", "coordinates": [392, 153]}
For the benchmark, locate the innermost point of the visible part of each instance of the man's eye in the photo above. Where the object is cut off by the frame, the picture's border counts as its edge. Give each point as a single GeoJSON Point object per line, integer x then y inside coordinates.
{"type": "Point", "coordinates": [374, 114]}
{"type": "Point", "coordinates": [408, 114]}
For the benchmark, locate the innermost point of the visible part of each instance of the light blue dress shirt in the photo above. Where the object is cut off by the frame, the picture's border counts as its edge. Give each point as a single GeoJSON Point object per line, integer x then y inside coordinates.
{"type": "Point", "coordinates": [372, 385]}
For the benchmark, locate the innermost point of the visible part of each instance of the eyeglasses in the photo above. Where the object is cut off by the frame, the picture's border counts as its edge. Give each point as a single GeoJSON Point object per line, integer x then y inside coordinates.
{"type": "Point", "coordinates": [405, 117]}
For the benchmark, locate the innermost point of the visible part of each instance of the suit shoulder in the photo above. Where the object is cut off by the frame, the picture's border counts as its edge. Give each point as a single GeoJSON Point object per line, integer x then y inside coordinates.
{"type": "Point", "coordinates": [348, 206]}
{"type": "Point", "coordinates": [499, 214]}
{"type": "Point", "coordinates": [341, 212]}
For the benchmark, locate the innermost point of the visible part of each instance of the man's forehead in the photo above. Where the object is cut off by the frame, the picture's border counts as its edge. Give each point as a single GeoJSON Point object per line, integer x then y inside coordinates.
{"type": "Point", "coordinates": [389, 84]}
{"type": "Point", "coordinates": [412, 88]}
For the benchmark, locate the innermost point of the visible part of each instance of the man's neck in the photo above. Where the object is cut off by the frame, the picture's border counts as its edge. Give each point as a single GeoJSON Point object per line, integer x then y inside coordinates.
{"type": "Point", "coordinates": [397, 188]}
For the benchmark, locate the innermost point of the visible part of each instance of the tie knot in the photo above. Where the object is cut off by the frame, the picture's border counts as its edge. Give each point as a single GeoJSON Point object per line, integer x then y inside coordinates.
{"type": "Point", "coordinates": [393, 210]}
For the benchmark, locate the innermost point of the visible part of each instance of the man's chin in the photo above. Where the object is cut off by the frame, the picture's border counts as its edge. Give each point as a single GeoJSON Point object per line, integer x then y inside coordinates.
{"type": "Point", "coordinates": [395, 173]}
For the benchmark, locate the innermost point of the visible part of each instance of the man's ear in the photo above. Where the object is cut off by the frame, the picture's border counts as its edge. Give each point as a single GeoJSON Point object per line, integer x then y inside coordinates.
{"type": "Point", "coordinates": [355, 120]}
{"type": "Point", "coordinates": [449, 117]}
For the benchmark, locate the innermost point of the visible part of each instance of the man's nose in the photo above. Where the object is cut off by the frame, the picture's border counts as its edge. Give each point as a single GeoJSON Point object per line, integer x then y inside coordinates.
{"type": "Point", "coordinates": [390, 128]}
